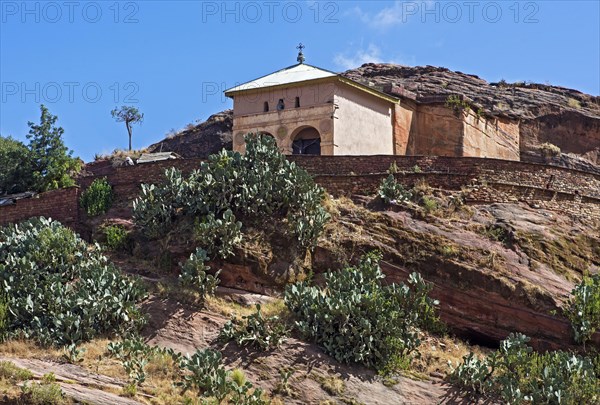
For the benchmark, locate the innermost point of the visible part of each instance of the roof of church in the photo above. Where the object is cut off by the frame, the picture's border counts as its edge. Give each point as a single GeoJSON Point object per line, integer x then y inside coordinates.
{"type": "Point", "coordinates": [300, 72]}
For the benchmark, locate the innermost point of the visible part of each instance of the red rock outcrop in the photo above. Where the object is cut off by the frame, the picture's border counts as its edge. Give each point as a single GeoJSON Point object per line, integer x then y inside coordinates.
{"type": "Point", "coordinates": [564, 117]}
{"type": "Point", "coordinates": [201, 140]}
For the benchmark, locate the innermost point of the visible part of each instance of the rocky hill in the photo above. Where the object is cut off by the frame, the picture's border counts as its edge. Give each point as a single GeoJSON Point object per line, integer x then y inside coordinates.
{"type": "Point", "coordinates": [564, 117]}
{"type": "Point", "coordinates": [201, 140]}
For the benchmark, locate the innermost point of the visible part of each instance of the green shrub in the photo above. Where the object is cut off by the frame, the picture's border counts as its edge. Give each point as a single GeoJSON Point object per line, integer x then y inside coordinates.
{"type": "Point", "coordinates": [59, 289]}
{"type": "Point", "coordinates": [43, 394]}
{"type": "Point", "coordinates": [356, 319]}
{"type": "Point", "coordinates": [117, 237]}
{"type": "Point", "coordinates": [517, 374]}
{"type": "Point", "coordinates": [456, 103]}
{"type": "Point", "coordinates": [204, 372]}
{"type": "Point", "coordinates": [262, 185]}
{"type": "Point", "coordinates": [219, 236]}
{"type": "Point", "coordinates": [49, 378]}
{"type": "Point", "coordinates": [73, 354]}
{"type": "Point", "coordinates": [15, 167]}
{"type": "Point", "coordinates": [392, 191]}
{"type": "Point", "coordinates": [497, 233]}
{"type": "Point", "coordinates": [194, 273]}
{"type": "Point", "coordinates": [429, 204]}
{"type": "Point", "coordinates": [255, 330]}
{"type": "Point", "coordinates": [3, 314]}
{"type": "Point", "coordinates": [13, 373]}
{"type": "Point", "coordinates": [129, 390]}
{"type": "Point", "coordinates": [134, 355]}
{"type": "Point", "coordinates": [584, 308]}
{"type": "Point", "coordinates": [97, 198]}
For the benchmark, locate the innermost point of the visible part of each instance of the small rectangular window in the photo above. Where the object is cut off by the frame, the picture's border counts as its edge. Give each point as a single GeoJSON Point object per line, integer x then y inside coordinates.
{"type": "Point", "coordinates": [297, 102]}
{"type": "Point", "coordinates": [266, 106]}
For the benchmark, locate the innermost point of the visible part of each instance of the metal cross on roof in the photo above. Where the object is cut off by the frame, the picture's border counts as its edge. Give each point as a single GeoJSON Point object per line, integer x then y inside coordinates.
{"type": "Point", "coordinates": [300, 57]}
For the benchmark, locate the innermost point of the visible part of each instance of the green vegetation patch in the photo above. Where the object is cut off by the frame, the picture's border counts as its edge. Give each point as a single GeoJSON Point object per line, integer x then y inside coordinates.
{"type": "Point", "coordinates": [569, 256]}
{"type": "Point", "coordinates": [97, 198]}
{"type": "Point", "coordinates": [517, 374]}
{"type": "Point", "coordinates": [44, 164]}
{"type": "Point", "coordinates": [584, 308]}
{"type": "Point", "coordinates": [230, 190]}
{"type": "Point", "coordinates": [263, 333]}
{"type": "Point", "coordinates": [59, 289]}
{"type": "Point", "coordinates": [13, 373]}
{"type": "Point", "coordinates": [357, 319]}
{"type": "Point", "coordinates": [117, 237]}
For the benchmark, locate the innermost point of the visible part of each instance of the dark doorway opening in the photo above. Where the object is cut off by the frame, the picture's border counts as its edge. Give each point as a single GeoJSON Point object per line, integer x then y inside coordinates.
{"type": "Point", "coordinates": [306, 147]}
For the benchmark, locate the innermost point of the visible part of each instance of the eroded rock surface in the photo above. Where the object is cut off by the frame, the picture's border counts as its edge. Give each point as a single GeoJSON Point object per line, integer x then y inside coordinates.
{"type": "Point", "coordinates": [506, 268]}
{"type": "Point", "coordinates": [76, 382]}
{"type": "Point", "coordinates": [201, 140]}
{"type": "Point", "coordinates": [175, 326]}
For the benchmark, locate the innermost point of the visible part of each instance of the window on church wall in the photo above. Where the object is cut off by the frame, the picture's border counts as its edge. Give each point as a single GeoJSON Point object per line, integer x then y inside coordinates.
{"type": "Point", "coordinates": [266, 106]}
{"type": "Point", "coordinates": [297, 102]}
{"type": "Point", "coordinates": [280, 105]}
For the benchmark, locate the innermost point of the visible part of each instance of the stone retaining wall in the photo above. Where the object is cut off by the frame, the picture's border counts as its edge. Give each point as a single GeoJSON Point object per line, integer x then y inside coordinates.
{"type": "Point", "coordinates": [565, 190]}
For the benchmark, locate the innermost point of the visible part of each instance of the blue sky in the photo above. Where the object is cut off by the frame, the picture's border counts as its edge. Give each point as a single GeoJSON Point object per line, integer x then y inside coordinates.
{"type": "Point", "coordinates": [172, 59]}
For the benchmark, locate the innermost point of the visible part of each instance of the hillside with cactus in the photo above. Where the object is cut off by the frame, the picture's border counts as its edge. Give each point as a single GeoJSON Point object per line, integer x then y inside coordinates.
{"type": "Point", "coordinates": [244, 282]}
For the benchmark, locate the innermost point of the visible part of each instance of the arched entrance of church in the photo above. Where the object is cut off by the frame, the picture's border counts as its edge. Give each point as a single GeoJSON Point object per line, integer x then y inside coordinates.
{"type": "Point", "coordinates": [306, 141]}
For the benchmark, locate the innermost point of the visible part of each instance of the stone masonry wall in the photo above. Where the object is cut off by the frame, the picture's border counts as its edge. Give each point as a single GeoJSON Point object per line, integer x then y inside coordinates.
{"type": "Point", "coordinates": [488, 180]}
{"type": "Point", "coordinates": [61, 205]}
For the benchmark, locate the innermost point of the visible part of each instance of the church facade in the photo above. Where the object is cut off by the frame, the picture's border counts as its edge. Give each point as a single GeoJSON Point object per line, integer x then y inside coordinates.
{"type": "Point", "coordinates": [309, 110]}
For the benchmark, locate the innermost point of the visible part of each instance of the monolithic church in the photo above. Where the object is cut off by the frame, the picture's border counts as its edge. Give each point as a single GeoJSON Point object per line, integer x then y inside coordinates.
{"type": "Point", "coordinates": [309, 110]}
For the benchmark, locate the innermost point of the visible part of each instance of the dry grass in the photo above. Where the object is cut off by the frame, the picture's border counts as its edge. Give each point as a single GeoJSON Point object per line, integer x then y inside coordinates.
{"type": "Point", "coordinates": [28, 349]}
{"type": "Point", "coordinates": [436, 352]}
{"type": "Point", "coordinates": [548, 149]}
{"type": "Point", "coordinates": [96, 359]}
{"type": "Point", "coordinates": [333, 385]}
{"type": "Point", "coordinates": [331, 205]}
{"type": "Point", "coordinates": [161, 373]}
{"type": "Point", "coordinates": [573, 103]}
{"type": "Point", "coordinates": [121, 154]}
{"type": "Point", "coordinates": [9, 390]}
{"type": "Point", "coordinates": [229, 308]}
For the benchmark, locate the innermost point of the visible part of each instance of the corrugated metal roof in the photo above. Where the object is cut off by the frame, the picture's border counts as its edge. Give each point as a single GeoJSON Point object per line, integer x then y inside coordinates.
{"type": "Point", "coordinates": [13, 198]}
{"type": "Point", "coordinates": [292, 74]}
{"type": "Point", "coordinates": [155, 157]}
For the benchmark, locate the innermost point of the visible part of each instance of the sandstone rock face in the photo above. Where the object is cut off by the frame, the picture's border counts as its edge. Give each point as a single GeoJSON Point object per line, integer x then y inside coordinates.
{"type": "Point", "coordinates": [202, 140]}
{"type": "Point", "coordinates": [567, 118]}
{"type": "Point", "coordinates": [487, 288]}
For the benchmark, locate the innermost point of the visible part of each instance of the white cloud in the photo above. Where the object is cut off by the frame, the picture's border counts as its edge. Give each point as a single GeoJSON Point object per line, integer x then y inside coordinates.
{"type": "Point", "coordinates": [401, 12]}
{"type": "Point", "coordinates": [384, 18]}
{"type": "Point", "coordinates": [371, 54]}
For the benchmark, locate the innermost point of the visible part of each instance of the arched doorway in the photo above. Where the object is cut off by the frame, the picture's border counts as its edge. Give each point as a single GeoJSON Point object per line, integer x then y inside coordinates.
{"type": "Point", "coordinates": [306, 141]}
